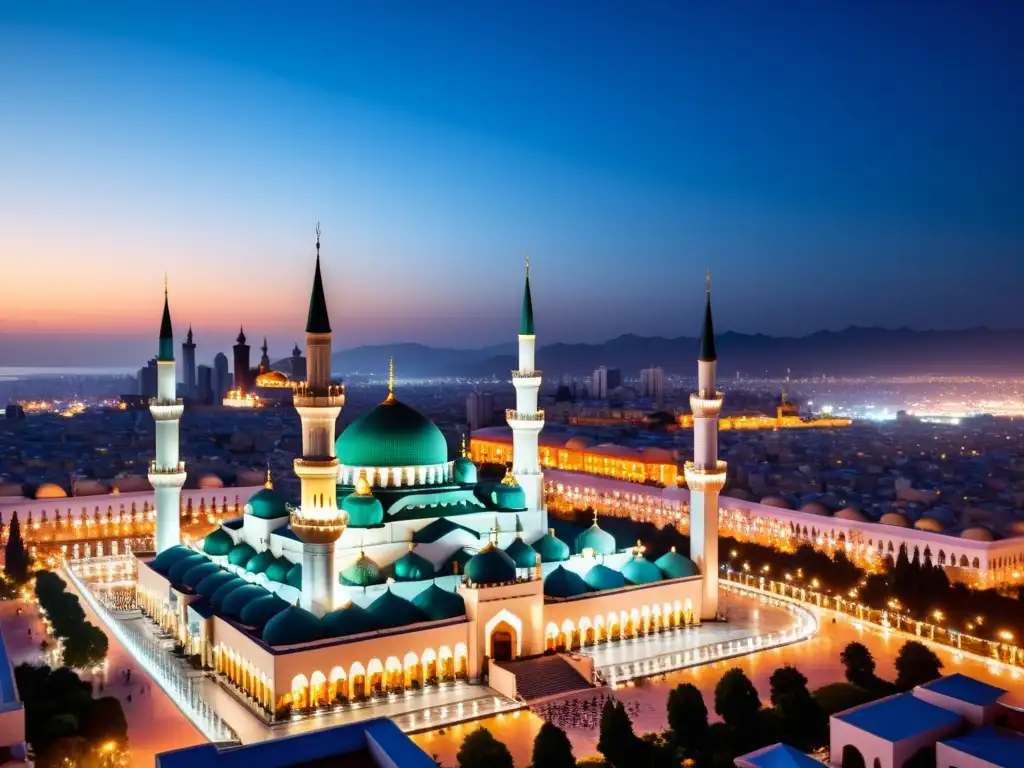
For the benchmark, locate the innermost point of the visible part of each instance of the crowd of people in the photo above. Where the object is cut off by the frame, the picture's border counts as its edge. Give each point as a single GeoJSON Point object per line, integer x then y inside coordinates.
{"type": "Point", "coordinates": [584, 713]}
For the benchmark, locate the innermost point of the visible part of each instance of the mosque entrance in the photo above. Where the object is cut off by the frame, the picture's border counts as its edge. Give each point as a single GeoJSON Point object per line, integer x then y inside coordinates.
{"type": "Point", "coordinates": [501, 646]}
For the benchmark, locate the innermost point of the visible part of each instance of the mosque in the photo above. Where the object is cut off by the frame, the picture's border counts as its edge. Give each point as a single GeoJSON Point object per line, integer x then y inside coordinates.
{"type": "Point", "coordinates": [399, 568]}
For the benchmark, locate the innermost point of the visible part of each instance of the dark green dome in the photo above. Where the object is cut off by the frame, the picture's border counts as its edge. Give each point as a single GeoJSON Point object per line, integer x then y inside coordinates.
{"type": "Point", "coordinates": [562, 582]}
{"type": "Point", "coordinates": [350, 620]}
{"type": "Point", "coordinates": [522, 554]}
{"type": "Point", "coordinates": [261, 610]}
{"type": "Point", "coordinates": [602, 542]}
{"type": "Point", "coordinates": [163, 562]}
{"type": "Point", "coordinates": [292, 626]}
{"type": "Point", "coordinates": [197, 573]}
{"type": "Point", "coordinates": [267, 504]}
{"type": "Point", "coordinates": [362, 573]}
{"type": "Point", "coordinates": [363, 511]}
{"type": "Point", "coordinates": [602, 577]}
{"type": "Point", "coordinates": [294, 577]}
{"type": "Point", "coordinates": [510, 497]}
{"type": "Point", "coordinates": [465, 471]}
{"type": "Point", "coordinates": [218, 543]}
{"type": "Point", "coordinates": [221, 593]}
{"type": "Point", "coordinates": [389, 610]}
{"type": "Point", "coordinates": [491, 566]}
{"type": "Point", "coordinates": [235, 602]}
{"type": "Point", "coordinates": [241, 554]}
{"type": "Point", "coordinates": [278, 570]}
{"type": "Point", "coordinates": [413, 567]}
{"type": "Point", "coordinates": [551, 548]}
{"type": "Point", "coordinates": [439, 603]}
{"type": "Point", "coordinates": [640, 570]}
{"type": "Point", "coordinates": [214, 581]}
{"type": "Point", "coordinates": [260, 562]}
{"type": "Point", "coordinates": [675, 566]}
{"type": "Point", "coordinates": [177, 572]}
{"type": "Point", "coordinates": [391, 435]}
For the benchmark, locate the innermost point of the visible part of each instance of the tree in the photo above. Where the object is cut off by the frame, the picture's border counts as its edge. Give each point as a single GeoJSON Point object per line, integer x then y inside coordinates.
{"type": "Point", "coordinates": [736, 700]}
{"type": "Point", "coordinates": [552, 749]}
{"type": "Point", "coordinates": [803, 719]}
{"type": "Point", "coordinates": [85, 647]}
{"type": "Point", "coordinates": [16, 560]}
{"type": "Point", "coordinates": [688, 716]}
{"type": "Point", "coordinates": [481, 750]}
{"type": "Point", "coordinates": [617, 742]}
{"type": "Point", "coordinates": [105, 722]}
{"type": "Point", "coordinates": [916, 664]}
{"type": "Point", "coordinates": [859, 664]}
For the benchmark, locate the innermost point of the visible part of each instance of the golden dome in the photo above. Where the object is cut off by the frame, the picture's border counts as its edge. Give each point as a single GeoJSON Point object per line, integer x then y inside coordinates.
{"type": "Point", "coordinates": [362, 486]}
{"type": "Point", "coordinates": [210, 480]}
{"type": "Point", "coordinates": [897, 519]}
{"type": "Point", "coordinates": [851, 514]}
{"type": "Point", "coordinates": [977, 533]}
{"type": "Point", "coordinates": [272, 379]}
{"type": "Point", "coordinates": [50, 491]}
{"type": "Point", "coordinates": [929, 524]}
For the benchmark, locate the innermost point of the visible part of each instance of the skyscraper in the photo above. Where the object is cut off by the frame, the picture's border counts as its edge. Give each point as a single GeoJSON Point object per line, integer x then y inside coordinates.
{"type": "Point", "coordinates": [204, 384]}
{"type": "Point", "coordinates": [603, 381]}
{"type": "Point", "coordinates": [241, 350]}
{"type": "Point", "coordinates": [188, 359]}
{"type": "Point", "coordinates": [221, 377]}
{"type": "Point", "coordinates": [479, 409]}
{"type": "Point", "coordinates": [652, 383]}
{"type": "Point", "coordinates": [147, 379]}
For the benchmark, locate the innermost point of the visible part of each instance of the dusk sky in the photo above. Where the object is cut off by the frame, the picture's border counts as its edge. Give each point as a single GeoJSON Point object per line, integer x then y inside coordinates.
{"type": "Point", "coordinates": [833, 163]}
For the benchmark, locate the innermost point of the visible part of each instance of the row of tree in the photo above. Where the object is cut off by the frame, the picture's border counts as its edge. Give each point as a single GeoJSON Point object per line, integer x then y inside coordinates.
{"type": "Point", "coordinates": [17, 563]}
{"type": "Point", "coordinates": [84, 645]}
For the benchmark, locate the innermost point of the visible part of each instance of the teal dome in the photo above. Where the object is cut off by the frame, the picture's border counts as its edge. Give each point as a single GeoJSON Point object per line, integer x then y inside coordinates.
{"type": "Point", "coordinates": [294, 577]}
{"type": "Point", "coordinates": [177, 572]}
{"type": "Point", "coordinates": [413, 567]}
{"type": "Point", "coordinates": [260, 562]}
{"type": "Point", "coordinates": [292, 626]}
{"type": "Point", "coordinates": [602, 542]}
{"type": "Point", "coordinates": [197, 573]}
{"type": "Point", "coordinates": [675, 566]}
{"type": "Point", "coordinates": [389, 610]}
{"type": "Point", "coordinates": [391, 435]}
{"type": "Point", "coordinates": [218, 543]}
{"type": "Point", "coordinates": [241, 554]}
{"type": "Point", "coordinates": [220, 594]}
{"type": "Point", "coordinates": [362, 573]}
{"type": "Point", "coordinates": [350, 620]}
{"type": "Point", "coordinates": [267, 504]}
{"type": "Point", "coordinates": [551, 548]}
{"type": "Point", "coordinates": [278, 570]}
{"type": "Point", "coordinates": [640, 570]}
{"type": "Point", "coordinates": [364, 511]}
{"type": "Point", "coordinates": [163, 562]}
{"type": "Point", "coordinates": [213, 582]}
{"type": "Point", "coordinates": [491, 566]}
{"type": "Point", "coordinates": [602, 577]}
{"type": "Point", "coordinates": [439, 603]}
{"type": "Point", "coordinates": [239, 598]}
{"type": "Point", "coordinates": [465, 471]}
{"type": "Point", "coordinates": [522, 554]}
{"type": "Point", "coordinates": [562, 582]}
{"type": "Point", "coordinates": [261, 610]}
{"type": "Point", "coordinates": [508, 497]}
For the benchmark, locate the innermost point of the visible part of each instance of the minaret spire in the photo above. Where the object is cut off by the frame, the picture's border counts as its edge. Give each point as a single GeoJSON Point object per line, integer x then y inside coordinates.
{"type": "Point", "coordinates": [166, 332]}
{"type": "Point", "coordinates": [526, 316]}
{"type": "Point", "coordinates": [317, 321]}
{"type": "Point", "coordinates": [707, 334]}
{"type": "Point", "coordinates": [391, 380]}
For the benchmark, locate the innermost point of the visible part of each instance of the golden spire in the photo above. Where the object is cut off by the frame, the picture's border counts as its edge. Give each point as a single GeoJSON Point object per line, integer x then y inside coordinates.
{"type": "Point", "coordinates": [391, 381]}
{"type": "Point", "coordinates": [463, 445]}
{"type": "Point", "coordinates": [362, 485]}
{"type": "Point", "coordinates": [595, 518]}
{"type": "Point", "coordinates": [509, 478]}
{"type": "Point", "coordinates": [269, 484]}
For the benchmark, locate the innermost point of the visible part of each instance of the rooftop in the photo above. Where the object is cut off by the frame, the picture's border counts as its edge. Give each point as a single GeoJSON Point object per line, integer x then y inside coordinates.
{"type": "Point", "coordinates": [993, 745]}
{"type": "Point", "coordinates": [777, 756]}
{"type": "Point", "coordinates": [898, 717]}
{"type": "Point", "coordinates": [964, 688]}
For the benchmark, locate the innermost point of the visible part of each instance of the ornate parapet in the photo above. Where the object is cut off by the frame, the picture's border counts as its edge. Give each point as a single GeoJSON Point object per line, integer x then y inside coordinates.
{"type": "Point", "coordinates": [331, 397]}
{"type": "Point", "coordinates": [526, 374]}
{"type": "Point", "coordinates": [511, 414]}
{"type": "Point", "coordinates": [705, 478]}
{"type": "Point", "coordinates": [325, 467]}
{"type": "Point", "coordinates": [319, 525]}
{"type": "Point", "coordinates": [166, 410]}
{"type": "Point", "coordinates": [706, 407]}
{"type": "Point", "coordinates": [167, 477]}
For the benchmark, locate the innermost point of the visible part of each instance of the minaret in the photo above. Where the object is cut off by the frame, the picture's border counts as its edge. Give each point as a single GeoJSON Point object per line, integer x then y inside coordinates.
{"type": "Point", "coordinates": [167, 472]}
{"type": "Point", "coordinates": [241, 350]}
{"type": "Point", "coordinates": [265, 357]}
{"type": "Point", "coordinates": [188, 357]}
{"type": "Point", "coordinates": [705, 475]}
{"type": "Point", "coordinates": [317, 521]}
{"type": "Point", "coordinates": [527, 420]}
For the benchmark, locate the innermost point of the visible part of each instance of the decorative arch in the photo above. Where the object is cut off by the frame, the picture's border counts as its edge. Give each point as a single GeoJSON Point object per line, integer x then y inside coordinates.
{"type": "Point", "coordinates": [461, 660]}
{"type": "Point", "coordinates": [394, 673]}
{"type": "Point", "coordinates": [413, 670]}
{"type": "Point", "coordinates": [374, 676]}
{"type": "Point", "coordinates": [337, 687]}
{"type": "Point", "coordinates": [300, 692]}
{"type": "Point", "coordinates": [318, 689]}
{"type": "Point", "coordinates": [445, 662]}
{"type": "Point", "coordinates": [514, 622]}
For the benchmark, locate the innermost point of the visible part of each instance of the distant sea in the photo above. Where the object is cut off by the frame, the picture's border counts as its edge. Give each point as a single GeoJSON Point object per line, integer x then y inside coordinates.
{"type": "Point", "coordinates": [13, 373]}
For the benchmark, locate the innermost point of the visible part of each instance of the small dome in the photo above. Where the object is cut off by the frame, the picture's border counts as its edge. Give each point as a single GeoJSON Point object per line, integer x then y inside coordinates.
{"type": "Point", "coordinates": [271, 379]}
{"type": "Point", "coordinates": [241, 554]}
{"type": "Point", "coordinates": [977, 533]}
{"type": "Point", "coordinates": [776, 501]}
{"type": "Point", "coordinates": [197, 573]}
{"type": "Point", "coordinates": [413, 567]}
{"type": "Point", "coordinates": [551, 548]}
{"type": "Point", "coordinates": [600, 541]}
{"type": "Point", "coordinates": [294, 577]}
{"type": "Point", "coordinates": [439, 603]}
{"type": "Point", "coordinates": [562, 582]}
{"type": "Point", "coordinates": [391, 435]}
{"type": "Point", "coordinates": [389, 610]}
{"type": "Point", "coordinates": [209, 480]}
{"type": "Point", "coordinates": [278, 570]}
{"type": "Point", "coordinates": [602, 577]}
{"type": "Point", "coordinates": [578, 443]}
{"type": "Point", "coordinates": [261, 610]}
{"type": "Point", "coordinates": [508, 494]}
{"type": "Point", "coordinates": [221, 593]}
{"type": "Point", "coordinates": [350, 620]}
{"type": "Point", "coordinates": [674, 566]}
{"type": "Point", "coordinates": [162, 562]}
{"type": "Point", "coordinates": [177, 572]}
{"type": "Point", "coordinates": [465, 471]}
{"type": "Point", "coordinates": [218, 543]}
{"type": "Point", "coordinates": [897, 519]}
{"type": "Point", "coordinates": [213, 582]}
{"type": "Point", "coordinates": [930, 524]}
{"type": "Point", "coordinates": [851, 514]}
{"type": "Point", "coordinates": [11, 489]}
{"type": "Point", "coordinates": [266, 504]}
{"type": "Point", "coordinates": [522, 554]}
{"type": "Point", "coordinates": [491, 566]}
{"type": "Point", "coordinates": [260, 562]}
{"type": "Point", "coordinates": [239, 598]}
{"type": "Point", "coordinates": [816, 508]}
{"type": "Point", "coordinates": [364, 572]}
{"type": "Point", "coordinates": [50, 491]}
{"type": "Point", "coordinates": [292, 626]}
{"type": "Point", "coordinates": [363, 508]}
{"type": "Point", "coordinates": [640, 570]}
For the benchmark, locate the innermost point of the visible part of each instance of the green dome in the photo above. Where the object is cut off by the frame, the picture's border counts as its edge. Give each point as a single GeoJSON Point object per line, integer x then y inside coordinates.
{"type": "Point", "coordinates": [362, 573]}
{"type": "Point", "coordinates": [602, 542]}
{"type": "Point", "coordinates": [197, 573]}
{"type": "Point", "coordinates": [465, 471]}
{"type": "Point", "coordinates": [389, 610]}
{"type": "Point", "coordinates": [213, 582]}
{"type": "Point", "coordinates": [551, 548]}
{"type": "Point", "coordinates": [522, 554]}
{"type": "Point", "coordinates": [241, 554]}
{"type": "Point", "coordinates": [261, 610]}
{"type": "Point", "coordinates": [267, 504]}
{"type": "Point", "coordinates": [278, 570]}
{"type": "Point", "coordinates": [439, 603]}
{"type": "Point", "coordinates": [640, 570]}
{"type": "Point", "coordinates": [260, 562]}
{"type": "Point", "coordinates": [675, 566]}
{"type": "Point", "coordinates": [562, 582]}
{"type": "Point", "coordinates": [220, 594]}
{"type": "Point", "coordinates": [413, 567]}
{"type": "Point", "coordinates": [218, 543]}
{"type": "Point", "coordinates": [293, 626]}
{"type": "Point", "coordinates": [177, 572]}
{"type": "Point", "coordinates": [163, 562]}
{"type": "Point", "coordinates": [350, 620]}
{"type": "Point", "coordinates": [391, 435]}
{"type": "Point", "coordinates": [294, 577]}
{"type": "Point", "coordinates": [239, 598]}
{"type": "Point", "coordinates": [602, 577]}
{"type": "Point", "coordinates": [510, 497]}
{"type": "Point", "coordinates": [363, 511]}
{"type": "Point", "coordinates": [491, 566]}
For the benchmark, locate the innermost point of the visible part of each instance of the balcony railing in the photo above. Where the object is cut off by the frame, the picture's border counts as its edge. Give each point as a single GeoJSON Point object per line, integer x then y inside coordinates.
{"type": "Point", "coordinates": [526, 374]}
{"type": "Point", "coordinates": [158, 402]}
{"type": "Point", "coordinates": [706, 407]}
{"type": "Point", "coordinates": [511, 414]}
{"type": "Point", "coordinates": [176, 470]}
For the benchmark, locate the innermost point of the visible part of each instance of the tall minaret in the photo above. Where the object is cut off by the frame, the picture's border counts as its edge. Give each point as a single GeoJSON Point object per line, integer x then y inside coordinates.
{"type": "Point", "coordinates": [527, 420]}
{"type": "Point", "coordinates": [705, 475]}
{"type": "Point", "coordinates": [318, 522]}
{"type": "Point", "coordinates": [167, 472]}
{"type": "Point", "coordinates": [188, 357]}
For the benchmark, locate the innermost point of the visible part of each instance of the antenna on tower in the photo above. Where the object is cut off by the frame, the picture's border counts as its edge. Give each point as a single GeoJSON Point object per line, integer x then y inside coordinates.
{"type": "Point", "coordinates": [318, 238]}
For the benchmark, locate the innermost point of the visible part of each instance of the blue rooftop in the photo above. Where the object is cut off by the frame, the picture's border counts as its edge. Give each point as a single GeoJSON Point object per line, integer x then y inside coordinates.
{"type": "Point", "coordinates": [234, 523]}
{"type": "Point", "coordinates": [964, 688]}
{"type": "Point", "coordinates": [287, 533]}
{"type": "Point", "coordinates": [778, 756]}
{"type": "Point", "coordinates": [8, 690]}
{"type": "Point", "coordinates": [898, 717]}
{"type": "Point", "coordinates": [993, 745]}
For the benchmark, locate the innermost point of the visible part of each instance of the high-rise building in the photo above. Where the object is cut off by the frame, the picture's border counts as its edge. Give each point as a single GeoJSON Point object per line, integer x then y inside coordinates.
{"type": "Point", "coordinates": [188, 359]}
{"type": "Point", "coordinates": [221, 377]}
{"type": "Point", "coordinates": [603, 381]}
{"type": "Point", "coordinates": [652, 383]}
{"type": "Point", "coordinates": [479, 409]}
{"type": "Point", "coordinates": [204, 384]}
{"type": "Point", "coordinates": [241, 350]}
{"type": "Point", "coordinates": [147, 379]}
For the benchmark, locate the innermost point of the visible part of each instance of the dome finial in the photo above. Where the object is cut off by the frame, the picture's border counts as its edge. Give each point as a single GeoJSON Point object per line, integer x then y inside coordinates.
{"type": "Point", "coordinates": [519, 528]}
{"type": "Point", "coordinates": [391, 380]}
{"type": "Point", "coordinates": [464, 444]}
{"type": "Point", "coordinates": [509, 478]}
{"type": "Point", "coordinates": [595, 517]}
{"type": "Point", "coordinates": [362, 485]}
{"type": "Point", "coordinates": [269, 484]}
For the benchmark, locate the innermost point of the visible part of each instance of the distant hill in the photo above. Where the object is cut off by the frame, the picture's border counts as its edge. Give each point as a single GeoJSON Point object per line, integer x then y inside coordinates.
{"type": "Point", "coordinates": [852, 351]}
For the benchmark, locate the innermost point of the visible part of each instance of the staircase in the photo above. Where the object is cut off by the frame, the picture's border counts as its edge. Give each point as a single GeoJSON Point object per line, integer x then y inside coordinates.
{"type": "Point", "coordinates": [545, 677]}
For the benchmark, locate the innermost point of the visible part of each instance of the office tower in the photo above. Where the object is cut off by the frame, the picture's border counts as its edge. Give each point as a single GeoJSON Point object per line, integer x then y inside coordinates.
{"type": "Point", "coordinates": [221, 377]}
{"type": "Point", "coordinates": [204, 384]}
{"type": "Point", "coordinates": [479, 409]}
{"type": "Point", "coordinates": [652, 383]}
{"type": "Point", "coordinates": [603, 381]}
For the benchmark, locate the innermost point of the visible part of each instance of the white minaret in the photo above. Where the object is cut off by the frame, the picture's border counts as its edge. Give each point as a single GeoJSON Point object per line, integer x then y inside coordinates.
{"type": "Point", "coordinates": [705, 475]}
{"type": "Point", "coordinates": [318, 522]}
{"type": "Point", "coordinates": [527, 420]}
{"type": "Point", "coordinates": [167, 472]}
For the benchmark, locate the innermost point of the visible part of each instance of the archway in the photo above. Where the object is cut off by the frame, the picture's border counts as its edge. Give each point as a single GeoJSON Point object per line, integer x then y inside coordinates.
{"type": "Point", "coordinates": [586, 632]}
{"type": "Point", "coordinates": [503, 642]}
{"type": "Point", "coordinates": [413, 671]}
{"type": "Point", "coordinates": [852, 757]}
{"type": "Point", "coordinates": [357, 682]}
{"type": "Point", "coordinates": [565, 639]}
{"type": "Point", "coordinates": [429, 662]}
{"type": "Point", "coordinates": [446, 663]}
{"type": "Point", "coordinates": [374, 677]}
{"type": "Point", "coordinates": [338, 688]}
{"type": "Point", "coordinates": [551, 636]}
{"type": "Point", "coordinates": [300, 692]}
{"type": "Point", "coordinates": [318, 690]}
{"type": "Point", "coordinates": [461, 660]}
{"type": "Point", "coordinates": [395, 677]}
